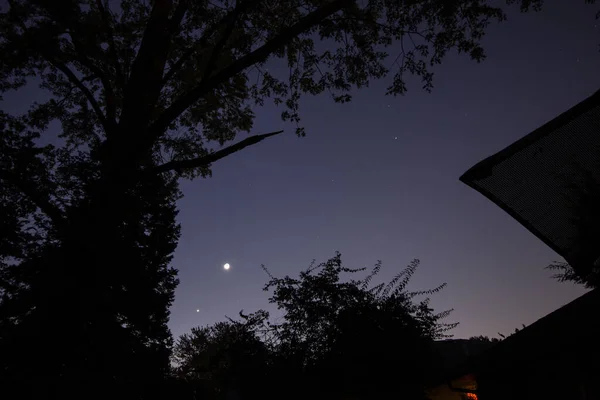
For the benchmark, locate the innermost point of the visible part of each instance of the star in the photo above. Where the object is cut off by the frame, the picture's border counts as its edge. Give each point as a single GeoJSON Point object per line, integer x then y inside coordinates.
{"type": "Point", "coordinates": [197, 310]}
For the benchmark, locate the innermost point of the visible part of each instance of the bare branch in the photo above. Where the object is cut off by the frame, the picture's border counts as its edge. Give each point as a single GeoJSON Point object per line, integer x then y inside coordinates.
{"type": "Point", "coordinates": [217, 155]}
{"type": "Point", "coordinates": [238, 66]}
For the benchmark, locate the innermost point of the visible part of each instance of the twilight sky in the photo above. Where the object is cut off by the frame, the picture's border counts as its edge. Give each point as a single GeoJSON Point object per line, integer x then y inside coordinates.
{"type": "Point", "coordinates": [378, 179]}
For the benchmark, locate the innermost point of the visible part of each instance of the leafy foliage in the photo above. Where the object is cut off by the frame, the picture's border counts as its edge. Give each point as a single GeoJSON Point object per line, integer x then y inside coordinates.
{"type": "Point", "coordinates": [225, 358]}
{"type": "Point", "coordinates": [336, 338]}
{"type": "Point", "coordinates": [345, 335]}
{"type": "Point", "coordinates": [564, 272]}
{"type": "Point", "coordinates": [166, 78]}
{"type": "Point", "coordinates": [84, 299]}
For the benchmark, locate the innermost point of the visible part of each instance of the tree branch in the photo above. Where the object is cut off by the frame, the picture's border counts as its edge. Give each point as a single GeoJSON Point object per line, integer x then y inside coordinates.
{"type": "Point", "coordinates": [216, 51]}
{"type": "Point", "coordinates": [178, 64]}
{"type": "Point", "coordinates": [174, 24]}
{"type": "Point", "coordinates": [217, 155]}
{"type": "Point", "coordinates": [258, 55]}
{"type": "Point", "coordinates": [111, 43]}
{"type": "Point", "coordinates": [69, 21]}
{"type": "Point", "coordinates": [86, 92]}
{"type": "Point", "coordinates": [32, 192]}
{"type": "Point", "coordinates": [109, 93]}
{"type": "Point", "coordinates": [145, 81]}
{"type": "Point", "coordinates": [50, 51]}
{"type": "Point", "coordinates": [228, 20]}
{"type": "Point", "coordinates": [178, 15]}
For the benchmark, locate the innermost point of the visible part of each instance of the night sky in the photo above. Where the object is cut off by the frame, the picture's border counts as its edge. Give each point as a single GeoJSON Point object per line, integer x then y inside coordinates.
{"type": "Point", "coordinates": [378, 179]}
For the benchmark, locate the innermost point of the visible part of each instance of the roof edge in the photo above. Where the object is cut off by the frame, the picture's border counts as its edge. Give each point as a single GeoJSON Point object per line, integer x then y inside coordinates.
{"type": "Point", "coordinates": [483, 167]}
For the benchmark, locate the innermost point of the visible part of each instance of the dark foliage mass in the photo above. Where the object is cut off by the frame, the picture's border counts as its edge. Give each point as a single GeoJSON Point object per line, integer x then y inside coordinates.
{"type": "Point", "coordinates": [134, 95]}
{"type": "Point", "coordinates": [564, 272]}
{"type": "Point", "coordinates": [337, 338]}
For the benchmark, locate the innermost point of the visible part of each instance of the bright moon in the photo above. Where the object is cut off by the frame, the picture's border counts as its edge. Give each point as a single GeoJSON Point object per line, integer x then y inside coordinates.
{"type": "Point", "coordinates": [226, 266]}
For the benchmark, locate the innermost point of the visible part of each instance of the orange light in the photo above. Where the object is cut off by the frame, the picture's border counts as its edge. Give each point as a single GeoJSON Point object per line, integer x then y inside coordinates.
{"type": "Point", "coordinates": [471, 396]}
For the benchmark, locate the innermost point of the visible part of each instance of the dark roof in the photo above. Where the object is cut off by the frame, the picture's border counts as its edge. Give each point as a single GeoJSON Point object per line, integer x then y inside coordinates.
{"type": "Point", "coordinates": [572, 329]}
{"type": "Point", "coordinates": [549, 180]}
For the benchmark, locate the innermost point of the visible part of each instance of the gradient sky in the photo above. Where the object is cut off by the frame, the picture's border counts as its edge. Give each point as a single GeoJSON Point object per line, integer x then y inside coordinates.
{"type": "Point", "coordinates": [378, 179]}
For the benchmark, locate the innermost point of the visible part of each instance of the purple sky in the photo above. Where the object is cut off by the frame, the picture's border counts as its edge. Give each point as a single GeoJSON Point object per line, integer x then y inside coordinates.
{"type": "Point", "coordinates": [378, 179]}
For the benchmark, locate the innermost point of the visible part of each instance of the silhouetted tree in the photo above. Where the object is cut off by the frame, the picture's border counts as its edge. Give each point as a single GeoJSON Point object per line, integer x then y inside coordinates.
{"type": "Point", "coordinates": [483, 339]}
{"type": "Point", "coordinates": [85, 308]}
{"type": "Point", "coordinates": [139, 92]}
{"type": "Point", "coordinates": [341, 338]}
{"type": "Point", "coordinates": [336, 338]}
{"type": "Point", "coordinates": [224, 359]}
{"type": "Point", "coordinates": [564, 272]}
